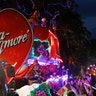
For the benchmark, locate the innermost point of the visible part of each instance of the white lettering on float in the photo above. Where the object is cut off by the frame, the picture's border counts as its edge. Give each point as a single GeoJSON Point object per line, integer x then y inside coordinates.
{"type": "Point", "coordinates": [11, 42]}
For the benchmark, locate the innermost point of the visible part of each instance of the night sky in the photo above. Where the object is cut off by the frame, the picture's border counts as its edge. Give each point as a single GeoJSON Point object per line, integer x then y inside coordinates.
{"type": "Point", "coordinates": [87, 9]}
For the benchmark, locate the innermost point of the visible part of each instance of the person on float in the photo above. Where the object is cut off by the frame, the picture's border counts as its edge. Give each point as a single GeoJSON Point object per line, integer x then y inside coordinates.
{"type": "Point", "coordinates": [34, 19]}
{"type": "Point", "coordinates": [43, 22]}
{"type": "Point", "coordinates": [36, 69]}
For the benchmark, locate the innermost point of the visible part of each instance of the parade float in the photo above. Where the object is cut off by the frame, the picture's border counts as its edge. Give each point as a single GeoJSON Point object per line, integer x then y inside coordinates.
{"type": "Point", "coordinates": [24, 45]}
{"type": "Point", "coordinates": [21, 45]}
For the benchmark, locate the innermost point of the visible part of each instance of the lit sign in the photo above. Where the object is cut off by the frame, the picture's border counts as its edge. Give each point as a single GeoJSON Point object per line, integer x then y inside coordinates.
{"type": "Point", "coordinates": [16, 38]}
{"type": "Point", "coordinates": [11, 42]}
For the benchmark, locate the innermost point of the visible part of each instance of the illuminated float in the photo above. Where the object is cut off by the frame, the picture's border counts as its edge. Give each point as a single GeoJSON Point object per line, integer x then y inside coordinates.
{"type": "Point", "coordinates": [21, 47]}
{"type": "Point", "coordinates": [45, 48]}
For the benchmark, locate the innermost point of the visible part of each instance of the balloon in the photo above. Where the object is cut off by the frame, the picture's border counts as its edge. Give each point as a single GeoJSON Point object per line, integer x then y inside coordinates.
{"type": "Point", "coordinates": [41, 32]}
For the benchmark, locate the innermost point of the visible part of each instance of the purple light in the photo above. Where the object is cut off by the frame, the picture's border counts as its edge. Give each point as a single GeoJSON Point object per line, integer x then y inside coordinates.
{"type": "Point", "coordinates": [57, 78]}
{"type": "Point", "coordinates": [30, 61]}
{"type": "Point", "coordinates": [94, 65]}
{"type": "Point", "coordinates": [65, 77]}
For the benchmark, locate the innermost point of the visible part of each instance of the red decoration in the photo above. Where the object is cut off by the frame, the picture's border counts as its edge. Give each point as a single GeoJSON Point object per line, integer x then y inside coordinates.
{"type": "Point", "coordinates": [54, 43]}
{"type": "Point", "coordinates": [15, 38]}
{"type": "Point", "coordinates": [41, 32]}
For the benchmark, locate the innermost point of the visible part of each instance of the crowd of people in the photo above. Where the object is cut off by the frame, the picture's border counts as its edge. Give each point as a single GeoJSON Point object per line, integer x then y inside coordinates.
{"type": "Point", "coordinates": [73, 86]}
{"type": "Point", "coordinates": [80, 85]}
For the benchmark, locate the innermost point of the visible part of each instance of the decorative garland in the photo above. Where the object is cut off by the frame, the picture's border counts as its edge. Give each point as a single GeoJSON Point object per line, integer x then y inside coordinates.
{"type": "Point", "coordinates": [42, 90]}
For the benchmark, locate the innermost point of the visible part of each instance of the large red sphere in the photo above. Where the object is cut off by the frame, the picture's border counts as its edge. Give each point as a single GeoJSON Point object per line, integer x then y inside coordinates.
{"type": "Point", "coordinates": [41, 32]}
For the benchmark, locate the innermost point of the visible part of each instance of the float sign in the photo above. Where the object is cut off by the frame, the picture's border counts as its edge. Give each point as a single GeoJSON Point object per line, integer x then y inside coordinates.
{"type": "Point", "coordinates": [16, 38]}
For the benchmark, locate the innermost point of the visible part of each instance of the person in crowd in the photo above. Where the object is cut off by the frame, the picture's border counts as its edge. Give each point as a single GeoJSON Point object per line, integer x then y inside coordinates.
{"type": "Point", "coordinates": [71, 93]}
{"type": "Point", "coordinates": [2, 79]}
{"type": "Point", "coordinates": [12, 93]}
{"type": "Point", "coordinates": [93, 84]}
